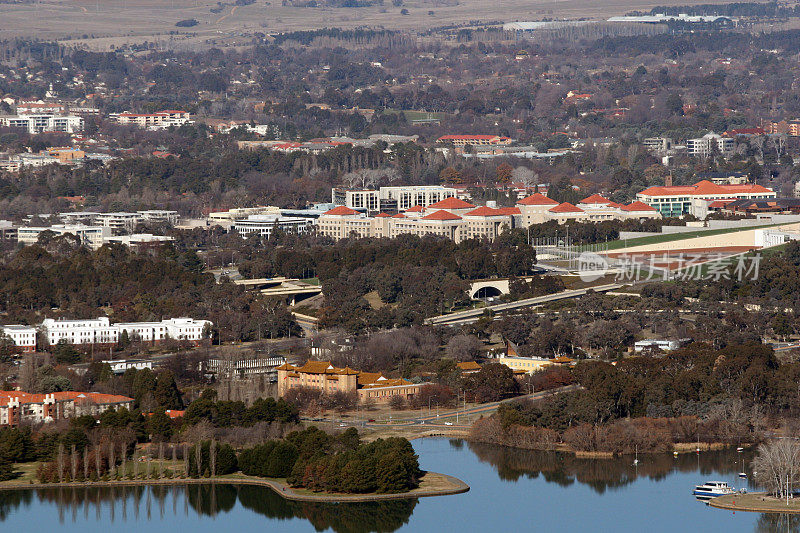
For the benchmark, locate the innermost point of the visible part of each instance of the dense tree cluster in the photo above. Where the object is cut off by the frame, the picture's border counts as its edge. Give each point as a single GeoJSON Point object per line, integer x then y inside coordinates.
{"type": "Point", "coordinates": [230, 414]}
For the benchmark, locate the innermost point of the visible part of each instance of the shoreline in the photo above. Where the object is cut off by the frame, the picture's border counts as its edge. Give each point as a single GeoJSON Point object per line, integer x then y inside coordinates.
{"type": "Point", "coordinates": [452, 485]}
{"type": "Point", "coordinates": [755, 502]}
{"type": "Point", "coordinates": [678, 449]}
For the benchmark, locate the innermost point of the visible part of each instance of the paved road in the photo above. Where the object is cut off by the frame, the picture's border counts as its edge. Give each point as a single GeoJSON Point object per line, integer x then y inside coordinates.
{"type": "Point", "coordinates": [472, 315]}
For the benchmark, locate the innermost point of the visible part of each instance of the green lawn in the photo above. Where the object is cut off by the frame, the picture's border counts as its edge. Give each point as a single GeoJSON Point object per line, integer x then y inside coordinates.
{"type": "Point", "coordinates": [669, 237]}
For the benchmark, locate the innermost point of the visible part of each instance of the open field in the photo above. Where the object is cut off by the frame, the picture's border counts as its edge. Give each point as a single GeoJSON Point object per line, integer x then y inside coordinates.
{"type": "Point", "coordinates": [107, 23]}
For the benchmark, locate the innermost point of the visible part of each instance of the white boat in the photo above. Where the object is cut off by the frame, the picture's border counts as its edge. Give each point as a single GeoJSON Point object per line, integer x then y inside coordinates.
{"type": "Point", "coordinates": [712, 489]}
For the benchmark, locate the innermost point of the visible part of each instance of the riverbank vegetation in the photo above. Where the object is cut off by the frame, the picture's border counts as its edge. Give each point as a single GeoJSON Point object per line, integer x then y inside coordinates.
{"type": "Point", "coordinates": [696, 394]}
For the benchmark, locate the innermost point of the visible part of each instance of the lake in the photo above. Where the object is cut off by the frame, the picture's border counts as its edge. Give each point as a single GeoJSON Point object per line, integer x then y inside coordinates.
{"type": "Point", "coordinates": [510, 490]}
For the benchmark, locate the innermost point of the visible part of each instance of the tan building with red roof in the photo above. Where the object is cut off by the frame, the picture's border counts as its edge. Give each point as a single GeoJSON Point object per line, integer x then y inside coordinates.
{"type": "Point", "coordinates": [322, 375]}
{"type": "Point", "coordinates": [18, 407]}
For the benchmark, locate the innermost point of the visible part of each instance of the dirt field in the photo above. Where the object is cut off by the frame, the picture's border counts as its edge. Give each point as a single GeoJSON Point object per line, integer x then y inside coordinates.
{"type": "Point", "coordinates": [118, 22]}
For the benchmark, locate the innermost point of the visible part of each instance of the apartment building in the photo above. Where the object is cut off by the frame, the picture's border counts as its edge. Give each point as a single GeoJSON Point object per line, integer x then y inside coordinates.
{"type": "Point", "coordinates": [159, 215]}
{"type": "Point", "coordinates": [101, 331]}
{"type": "Point", "coordinates": [17, 407]}
{"type": "Point", "coordinates": [658, 145]}
{"type": "Point", "coordinates": [39, 123]}
{"type": "Point", "coordinates": [391, 199]}
{"type": "Point", "coordinates": [677, 200]}
{"type": "Point", "coordinates": [24, 337]}
{"type": "Point", "coordinates": [154, 121]}
{"type": "Point", "coordinates": [38, 107]}
{"type": "Point", "coordinates": [91, 236]}
{"type": "Point", "coordinates": [119, 221]}
{"type": "Point", "coordinates": [785, 127]}
{"type": "Point", "coordinates": [708, 143]}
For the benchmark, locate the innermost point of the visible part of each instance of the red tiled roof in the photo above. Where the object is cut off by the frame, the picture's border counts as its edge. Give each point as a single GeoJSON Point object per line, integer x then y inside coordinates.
{"type": "Point", "coordinates": [744, 131]}
{"type": "Point", "coordinates": [566, 207]}
{"type": "Point", "coordinates": [415, 209]}
{"type": "Point", "coordinates": [382, 215]}
{"type": "Point", "coordinates": [637, 206]}
{"type": "Point", "coordinates": [441, 215]}
{"type": "Point", "coordinates": [705, 187]}
{"type": "Point", "coordinates": [595, 199]}
{"type": "Point", "coordinates": [451, 203]}
{"type": "Point", "coordinates": [510, 210]}
{"type": "Point", "coordinates": [720, 203]}
{"type": "Point", "coordinates": [484, 211]}
{"type": "Point", "coordinates": [341, 210]}
{"type": "Point", "coordinates": [399, 215]}
{"type": "Point", "coordinates": [537, 199]}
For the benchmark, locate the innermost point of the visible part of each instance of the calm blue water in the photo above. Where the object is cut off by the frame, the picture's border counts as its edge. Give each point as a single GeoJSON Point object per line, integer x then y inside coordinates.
{"type": "Point", "coordinates": [512, 490]}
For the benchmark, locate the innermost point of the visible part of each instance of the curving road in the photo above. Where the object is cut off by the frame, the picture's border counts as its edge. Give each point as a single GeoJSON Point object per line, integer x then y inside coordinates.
{"type": "Point", "coordinates": [472, 315]}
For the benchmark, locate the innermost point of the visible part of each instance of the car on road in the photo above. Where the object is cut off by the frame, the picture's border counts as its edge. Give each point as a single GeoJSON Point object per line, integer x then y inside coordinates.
{"type": "Point", "coordinates": [448, 423]}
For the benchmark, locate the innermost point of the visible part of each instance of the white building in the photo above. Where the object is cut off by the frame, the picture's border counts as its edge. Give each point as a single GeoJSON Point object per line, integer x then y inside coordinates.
{"type": "Point", "coordinates": [159, 215]}
{"type": "Point", "coordinates": [138, 239]}
{"type": "Point", "coordinates": [90, 331]}
{"type": "Point", "coordinates": [705, 145]}
{"type": "Point", "coordinates": [24, 337]}
{"type": "Point", "coordinates": [264, 225]}
{"type": "Point", "coordinates": [154, 121]}
{"type": "Point", "coordinates": [119, 366]}
{"type": "Point", "coordinates": [660, 344]}
{"type": "Point", "coordinates": [91, 236]}
{"type": "Point", "coordinates": [101, 331]}
{"type": "Point", "coordinates": [395, 198]}
{"type": "Point", "coordinates": [43, 122]}
{"type": "Point", "coordinates": [118, 221]}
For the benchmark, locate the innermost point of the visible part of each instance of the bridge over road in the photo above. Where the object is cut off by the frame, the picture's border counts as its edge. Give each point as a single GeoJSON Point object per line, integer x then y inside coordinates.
{"type": "Point", "coordinates": [472, 315]}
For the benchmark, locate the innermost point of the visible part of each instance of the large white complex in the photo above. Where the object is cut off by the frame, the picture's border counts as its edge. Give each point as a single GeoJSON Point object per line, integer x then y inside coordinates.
{"type": "Point", "coordinates": [43, 122]}
{"type": "Point", "coordinates": [101, 331]}
{"type": "Point", "coordinates": [459, 220]}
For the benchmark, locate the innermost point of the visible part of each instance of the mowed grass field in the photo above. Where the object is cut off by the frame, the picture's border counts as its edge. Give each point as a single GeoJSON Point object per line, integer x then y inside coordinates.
{"type": "Point", "coordinates": [117, 22]}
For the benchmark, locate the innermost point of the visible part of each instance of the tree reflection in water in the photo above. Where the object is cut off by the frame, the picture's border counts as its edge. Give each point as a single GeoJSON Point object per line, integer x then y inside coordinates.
{"type": "Point", "coordinates": [776, 523]}
{"type": "Point", "coordinates": [601, 474]}
{"type": "Point", "coordinates": [210, 500]}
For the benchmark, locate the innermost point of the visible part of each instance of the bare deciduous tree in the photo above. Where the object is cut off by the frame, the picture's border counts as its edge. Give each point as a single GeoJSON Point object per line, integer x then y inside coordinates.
{"type": "Point", "coordinates": [777, 466]}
